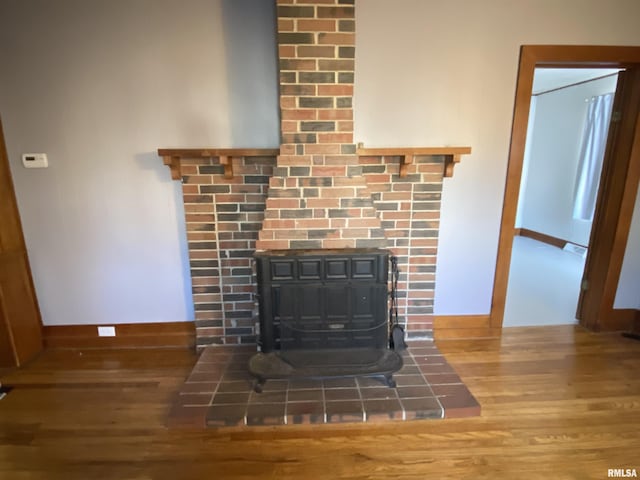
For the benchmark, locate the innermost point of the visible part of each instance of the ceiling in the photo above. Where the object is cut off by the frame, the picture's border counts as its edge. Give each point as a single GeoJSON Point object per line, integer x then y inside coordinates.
{"type": "Point", "coordinates": [546, 79]}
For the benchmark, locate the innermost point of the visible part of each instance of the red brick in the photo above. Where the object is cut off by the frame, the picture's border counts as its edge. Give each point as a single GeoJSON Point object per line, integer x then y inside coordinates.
{"type": "Point", "coordinates": [378, 178]}
{"type": "Point", "coordinates": [323, 203]}
{"type": "Point", "coordinates": [337, 39]}
{"type": "Point", "coordinates": [298, 65]}
{"type": "Point", "coordinates": [188, 170]}
{"type": "Point", "coordinates": [290, 234]}
{"type": "Point", "coordinates": [349, 182]}
{"type": "Point", "coordinates": [330, 114]}
{"type": "Point", "coordinates": [341, 65]}
{"type": "Point", "coordinates": [294, 160]}
{"type": "Point", "coordinates": [367, 160]}
{"type": "Point", "coordinates": [327, 25]}
{"type": "Point", "coordinates": [287, 102]}
{"type": "Point", "coordinates": [363, 222]}
{"type": "Point", "coordinates": [355, 233]}
{"type": "Point", "coordinates": [200, 218]}
{"type": "Point", "coordinates": [303, 114]}
{"type": "Point", "coordinates": [430, 168]}
{"type": "Point", "coordinates": [388, 196]}
{"type": "Point", "coordinates": [426, 215]}
{"type": "Point", "coordinates": [343, 11]}
{"type": "Point", "coordinates": [228, 227]}
{"type": "Point", "coordinates": [190, 189]}
{"type": "Point", "coordinates": [275, 224]}
{"type": "Point", "coordinates": [199, 236]}
{"type": "Point", "coordinates": [334, 192]}
{"type": "Point", "coordinates": [313, 51]}
{"type": "Point", "coordinates": [345, 126]}
{"type": "Point", "coordinates": [339, 243]}
{"type": "Point", "coordinates": [203, 254]}
{"type": "Point", "coordinates": [230, 198]}
{"type": "Point", "coordinates": [312, 149]}
{"type": "Point", "coordinates": [272, 245]}
{"type": "Point", "coordinates": [198, 179]}
{"type": "Point", "coordinates": [312, 223]}
{"type": "Point", "coordinates": [286, 51]}
{"type": "Point", "coordinates": [283, 203]}
{"type": "Point", "coordinates": [198, 208]}
{"type": "Point", "coordinates": [335, 90]}
{"type": "Point", "coordinates": [289, 126]}
{"type": "Point", "coordinates": [285, 25]}
{"type": "Point", "coordinates": [333, 171]}
{"type": "Point", "coordinates": [335, 138]}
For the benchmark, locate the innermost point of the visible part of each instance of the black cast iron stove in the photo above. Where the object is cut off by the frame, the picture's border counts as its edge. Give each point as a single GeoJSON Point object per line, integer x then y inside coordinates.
{"type": "Point", "coordinates": [323, 313]}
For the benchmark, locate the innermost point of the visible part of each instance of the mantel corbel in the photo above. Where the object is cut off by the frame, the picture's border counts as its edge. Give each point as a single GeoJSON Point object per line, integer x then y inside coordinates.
{"type": "Point", "coordinates": [172, 157]}
{"type": "Point", "coordinates": [452, 155]}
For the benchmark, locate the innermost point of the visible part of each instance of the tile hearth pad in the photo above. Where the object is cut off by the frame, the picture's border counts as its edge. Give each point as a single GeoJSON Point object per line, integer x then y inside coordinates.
{"type": "Point", "coordinates": [218, 393]}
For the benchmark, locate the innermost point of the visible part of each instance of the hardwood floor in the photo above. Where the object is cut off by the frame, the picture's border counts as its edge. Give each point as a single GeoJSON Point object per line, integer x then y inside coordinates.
{"type": "Point", "coordinates": [557, 402]}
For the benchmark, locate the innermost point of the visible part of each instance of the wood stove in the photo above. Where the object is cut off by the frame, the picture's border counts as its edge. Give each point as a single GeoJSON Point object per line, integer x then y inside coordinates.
{"type": "Point", "coordinates": [323, 313]}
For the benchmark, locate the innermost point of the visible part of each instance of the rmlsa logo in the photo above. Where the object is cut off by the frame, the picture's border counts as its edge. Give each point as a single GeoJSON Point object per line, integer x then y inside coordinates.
{"type": "Point", "coordinates": [622, 473]}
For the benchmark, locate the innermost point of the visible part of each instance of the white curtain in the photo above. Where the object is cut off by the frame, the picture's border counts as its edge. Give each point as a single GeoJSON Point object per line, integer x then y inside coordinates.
{"type": "Point", "coordinates": [594, 141]}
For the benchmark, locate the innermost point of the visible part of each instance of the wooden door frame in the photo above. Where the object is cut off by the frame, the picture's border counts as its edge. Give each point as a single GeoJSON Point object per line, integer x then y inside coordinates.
{"type": "Point", "coordinates": [21, 334]}
{"type": "Point", "coordinates": [567, 56]}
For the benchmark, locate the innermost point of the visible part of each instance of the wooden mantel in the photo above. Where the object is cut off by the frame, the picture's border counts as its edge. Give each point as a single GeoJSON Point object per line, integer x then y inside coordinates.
{"type": "Point", "coordinates": [407, 154]}
{"type": "Point", "coordinates": [172, 156]}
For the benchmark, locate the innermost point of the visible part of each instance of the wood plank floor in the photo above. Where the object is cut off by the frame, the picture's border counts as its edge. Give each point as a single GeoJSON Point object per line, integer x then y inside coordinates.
{"type": "Point", "coordinates": [557, 402]}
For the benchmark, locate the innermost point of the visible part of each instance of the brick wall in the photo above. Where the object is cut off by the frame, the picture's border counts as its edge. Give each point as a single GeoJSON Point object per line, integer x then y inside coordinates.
{"type": "Point", "coordinates": [223, 217]}
{"type": "Point", "coordinates": [317, 193]}
{"type": "Point", "coordinates": [409, 209]}
{"type": "Point", "coordinates": [318, 197]}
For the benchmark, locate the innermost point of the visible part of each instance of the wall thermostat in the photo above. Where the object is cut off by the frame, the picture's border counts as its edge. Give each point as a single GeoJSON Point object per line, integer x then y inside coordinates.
{"type": "Point", "coordinates": [35, 160]}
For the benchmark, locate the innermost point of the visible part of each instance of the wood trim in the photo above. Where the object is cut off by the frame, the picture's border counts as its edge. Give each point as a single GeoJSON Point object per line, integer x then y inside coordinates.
{"type": "Point", "coordinates": [636, 323]}
{"type": "Point", "coordinates": [532, 56]}
{"type": "Point", "coordinates": [542, 237]}
{"type": "Point", "coordinates": [463, 326]}
{"type": "Point", "coordinates": [621, 319]}
{"type": "Point", "coordinates": [20, 317]}
{"type": "Point", "coordinates": [612, 218]}
{"type": "Point", "coordinates": [217, 152]}
{"type": "Point", "coordinates": [128, 335]}
{"type": "Point", "coordinates": [172, 156]}
{"type": "Point", "coordinates": [407, 154]}
{"type": "Point", "coordinates": [573, 85]}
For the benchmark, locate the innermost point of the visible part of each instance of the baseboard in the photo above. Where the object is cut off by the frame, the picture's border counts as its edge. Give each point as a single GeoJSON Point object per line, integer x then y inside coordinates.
{"type": "Point", "coordinates": [463, 326]}
{"type": "Point", "coordinates": [543, 237]}
{"type": "Point", "coordinates": [620, 320]}
{"type": "Point", "coordinates": [128, 335]}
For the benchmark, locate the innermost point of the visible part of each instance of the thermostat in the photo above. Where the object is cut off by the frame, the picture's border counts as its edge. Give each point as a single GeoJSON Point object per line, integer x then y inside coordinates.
{"type": "Point", "coordinates": [35, 160]}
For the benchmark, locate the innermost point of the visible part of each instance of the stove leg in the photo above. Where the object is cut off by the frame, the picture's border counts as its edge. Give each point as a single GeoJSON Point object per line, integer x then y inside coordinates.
{"type": "Point", "coordinates": [258, 383]}
{"type": "Point", "coordinates": [391, 383]}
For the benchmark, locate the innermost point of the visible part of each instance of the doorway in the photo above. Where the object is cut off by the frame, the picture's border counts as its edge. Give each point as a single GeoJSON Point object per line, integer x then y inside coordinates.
{"type": "Point", "coordinates": [551, 237]}
{"type": "Point", "coordinates": [619, 181]}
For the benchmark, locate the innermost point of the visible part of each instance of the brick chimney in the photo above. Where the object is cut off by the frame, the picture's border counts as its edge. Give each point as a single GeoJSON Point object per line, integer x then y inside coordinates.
{"type": "Point", "coordinates": [318, 196]}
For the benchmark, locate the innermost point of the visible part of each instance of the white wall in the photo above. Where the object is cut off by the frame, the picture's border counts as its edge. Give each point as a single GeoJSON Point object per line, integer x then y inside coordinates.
{"type": "Point", "coordinates": [437, 73]}
{"type": "Point", "coordinates": [99, 85]}
{"type": "Point", "coordinates": [553, 148]}
{"type": "Point", "coordinates": [628, 294]}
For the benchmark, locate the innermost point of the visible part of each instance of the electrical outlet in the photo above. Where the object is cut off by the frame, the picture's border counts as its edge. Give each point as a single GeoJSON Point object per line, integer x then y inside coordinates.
{"type": "Point", "coordinates": [106, 331]}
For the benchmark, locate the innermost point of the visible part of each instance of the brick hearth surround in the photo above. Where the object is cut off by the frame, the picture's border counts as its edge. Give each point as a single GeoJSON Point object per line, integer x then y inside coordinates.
{"type": "Point", "coordinates": [318, 191]}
